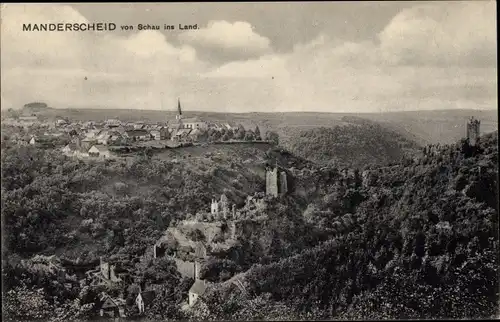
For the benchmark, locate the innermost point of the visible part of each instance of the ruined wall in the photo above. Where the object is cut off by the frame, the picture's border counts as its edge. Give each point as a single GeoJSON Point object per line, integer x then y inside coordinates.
{"type": "Point", "coordinates": [112, 275]}
{"type": "Point", "coordinates": [214, 209]}
{"type": "Point", "coordinates": [232, 229]}
{"type": "Point", "coordinates": [283, 184]}
{"type": "Point", "coordinates": [105, 270]}
{"type": "Point", "coordinates": [272, 182]}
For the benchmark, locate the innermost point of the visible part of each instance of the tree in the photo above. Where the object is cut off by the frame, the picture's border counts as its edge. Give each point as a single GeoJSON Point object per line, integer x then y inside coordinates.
{"type": "Point", "coordinates": [26, 303]}
{"type": "Point", "coordinates": [216, 136]}
{"type": "Point", "coordinates": [257, 134]}
{"type": "Point", "coordinates": [240, 133]}
{"type": "Point", "coordinates": [249, 136]}
{"type": "Point", "coordinates": [273, 137]}
{"type": "Point", "coordinates": [197, 235]}
{"type": "Point", "coordinates": [160, 271]}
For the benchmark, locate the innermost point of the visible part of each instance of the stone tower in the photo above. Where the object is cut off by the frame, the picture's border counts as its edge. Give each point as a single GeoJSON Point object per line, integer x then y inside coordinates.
{"type": "Point", "coordinates": [196, 271]}
{"type": "Point", "coordinates": [473, 130]}
{"type": "Point", "coordinates": [214, 208]}
{"type": "Point", "coordinates": [276, 182]}
{"type": "Point", "coordinates": [224, 205]}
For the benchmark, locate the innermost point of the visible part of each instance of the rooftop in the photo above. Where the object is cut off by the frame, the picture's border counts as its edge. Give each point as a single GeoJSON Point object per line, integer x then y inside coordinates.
{"type": "Point", "coordinates": [199, 287]}
{"type": "Point", "coordinates": [193, 120]}
{"type": "Point", "coordinates": [137, 132]}
{"type": "Point", "coordinates": [101, 148]}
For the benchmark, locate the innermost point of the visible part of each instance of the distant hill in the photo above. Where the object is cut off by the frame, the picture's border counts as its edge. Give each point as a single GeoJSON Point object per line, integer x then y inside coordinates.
{"type": "Point", "coordinates": [423, 127]}
{"type": "Point", "coordinates": [36, 105]}
{"type": "Point", "coordinates": [358, 144]}
{"type": "Point", "coordinates": [445, 127]}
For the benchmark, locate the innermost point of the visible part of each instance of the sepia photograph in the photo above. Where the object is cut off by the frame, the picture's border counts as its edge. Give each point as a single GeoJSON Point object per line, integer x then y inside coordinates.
{"type": "Point", "coordinates": [249, 161]}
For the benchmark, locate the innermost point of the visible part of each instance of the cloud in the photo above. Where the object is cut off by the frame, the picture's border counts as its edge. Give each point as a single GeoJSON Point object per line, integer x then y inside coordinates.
{"type": "Point", "coordinates": [463, 33]}
{"type": "Point", "coordinates": [427, 57]}
{"type": "Point", "coordinates": [87, 68]}
{"type": "Point", "coordinates": [222, 40]}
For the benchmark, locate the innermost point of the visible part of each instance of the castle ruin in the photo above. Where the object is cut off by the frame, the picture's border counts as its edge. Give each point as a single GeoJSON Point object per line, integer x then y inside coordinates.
{"type": "Point", "coordinates": [473, 130]}
{"type": "Point", "coordinates": [276, 182]}
{"type": "Point", "coordinates": [220, 209]}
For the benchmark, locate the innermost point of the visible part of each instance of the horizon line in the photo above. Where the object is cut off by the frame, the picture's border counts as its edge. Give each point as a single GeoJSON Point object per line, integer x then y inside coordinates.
{"type": "Point", "coordinates": [259, 112]}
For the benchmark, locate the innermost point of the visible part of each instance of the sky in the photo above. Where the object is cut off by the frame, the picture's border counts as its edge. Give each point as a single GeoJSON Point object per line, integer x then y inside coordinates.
{"type": "Point", "coordinates": [255, 57]}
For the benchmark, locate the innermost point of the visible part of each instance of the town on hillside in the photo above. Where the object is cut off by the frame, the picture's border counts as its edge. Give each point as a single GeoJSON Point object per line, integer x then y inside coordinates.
{"type": "Point", "coordinates": [109, 139]}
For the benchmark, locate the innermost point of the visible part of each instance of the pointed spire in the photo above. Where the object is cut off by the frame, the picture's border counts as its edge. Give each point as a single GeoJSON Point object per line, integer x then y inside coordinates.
{"type": "Point", "coordinates": [179, 106]}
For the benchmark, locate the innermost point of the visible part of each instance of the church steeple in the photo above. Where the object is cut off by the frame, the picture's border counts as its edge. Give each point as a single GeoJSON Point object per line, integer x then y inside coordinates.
{"type": "Point", "coordinates": [179, 110]}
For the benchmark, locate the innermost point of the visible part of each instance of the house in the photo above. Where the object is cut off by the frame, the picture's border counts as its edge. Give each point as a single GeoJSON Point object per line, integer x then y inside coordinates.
{"type": "Point", "coordinates": [113, 123]}
{"type": "Point", "coordinates": [109, 137]}
{"type": "Point", "coordinates": [156, 134]}
{"type": "Point", "coordinates": [100, 151]}
{"type": "Point", "coordinates": [144, 300]}
{"type": "Point", "coordinates": [111, 307]}
{"type": "Point", "coordinates": [160, 133]}
{"type": "Point", "coordinates": [88, 125]}
{"type": "Point", "coordinates": [53, 134]}
{"type": "Point", "coordinates": [180, 134]}
{"type": "Point", "coordinates": [27, 120]}
{"type": "Point", "coordinates": [21, 142]}
{"type": "Point", "coordinates": [93, 133]}
{"type": "Point", "coordinates": [87, 143]}
{"type": "Point", "coordinates": [198, 135]}
{"type": "Point", "coordinates": [75, 149]}
{"type": "Point", "coordinates": [198, 289]}
{"type": "Point", "coordinates": [140, 125]}
{"type": "Point", "coordinates": [137, 135]}
{"type": "Point", "coordinates": [61, 122]}
{"type": "Point", "coordinates": [120, 129]}
{"type": "Point", "coordinates": [195, 123]}
{"type": "Point", "coordinates": [216, 126]}
{"type": "Point", "coordinates": [42, 141]}
{"type": "Point", "coordinates": [103, 137]}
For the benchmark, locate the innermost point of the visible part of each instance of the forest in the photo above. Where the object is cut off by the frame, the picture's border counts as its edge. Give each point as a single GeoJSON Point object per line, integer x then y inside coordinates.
{"type": "Point", "coordinates": [420, 240]}
{"type": "Point", "coordinates": [355, 145]}
{"type": "Point", "coordinates": [426, 248]}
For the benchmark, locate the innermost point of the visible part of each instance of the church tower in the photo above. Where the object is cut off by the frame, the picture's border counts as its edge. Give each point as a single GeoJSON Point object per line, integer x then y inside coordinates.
{"type": "Point", "coordinates": [179, 110]}
{"type": "Point", "coordinates": [276, 182]}
{"type": "Point", "coordinates": [473, 130]}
